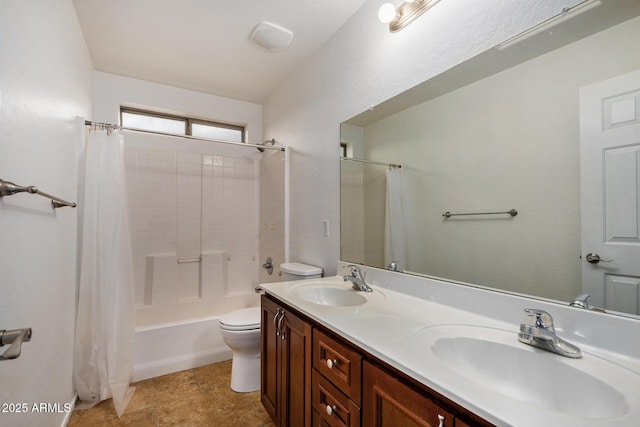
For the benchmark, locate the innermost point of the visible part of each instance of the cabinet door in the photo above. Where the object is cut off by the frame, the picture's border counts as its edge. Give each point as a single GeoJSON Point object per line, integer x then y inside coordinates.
{"type": "Point", "coordinates": [270, 377]}
{"type": "Point", "coordinates": [296, 371]}
{"type": "Point", "coordinates": [388, 402]}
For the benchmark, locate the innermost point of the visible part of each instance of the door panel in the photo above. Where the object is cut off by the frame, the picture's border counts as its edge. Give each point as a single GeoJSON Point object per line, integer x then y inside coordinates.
{"type": "Point", "coordinates": [296, 371]}
{"type": "Point", "coordinates": [270, 380]}
{"type": "Point", "coordinates": [610, 191]}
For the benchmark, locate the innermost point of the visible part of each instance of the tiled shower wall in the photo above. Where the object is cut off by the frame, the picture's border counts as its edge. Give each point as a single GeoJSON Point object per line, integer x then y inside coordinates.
{"type": "Point", "coordinates": [194, 221]}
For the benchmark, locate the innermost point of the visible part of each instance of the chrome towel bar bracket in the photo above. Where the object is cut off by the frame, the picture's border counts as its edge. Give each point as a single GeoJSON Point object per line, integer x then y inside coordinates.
{"type": "Point", "coordinates": [14, 338]}
{"type": "Point", "coordinates": [511, 212]}
{"type": "Point", "coordinates": [9, 188]}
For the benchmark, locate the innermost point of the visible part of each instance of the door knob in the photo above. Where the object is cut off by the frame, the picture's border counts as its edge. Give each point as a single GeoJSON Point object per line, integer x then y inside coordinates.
{"type": "Point", "coordinates": [594, 258]}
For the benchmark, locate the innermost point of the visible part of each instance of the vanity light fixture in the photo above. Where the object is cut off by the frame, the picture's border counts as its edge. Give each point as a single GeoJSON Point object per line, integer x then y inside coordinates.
{"type": "Point", "coordinates": [406, 13]}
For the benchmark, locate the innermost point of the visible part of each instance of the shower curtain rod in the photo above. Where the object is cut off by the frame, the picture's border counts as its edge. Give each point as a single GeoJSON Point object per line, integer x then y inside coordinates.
{"type": "Point", "coordinates": [353, 159]}
{"type": "Point", "coordinates": [197, 138]}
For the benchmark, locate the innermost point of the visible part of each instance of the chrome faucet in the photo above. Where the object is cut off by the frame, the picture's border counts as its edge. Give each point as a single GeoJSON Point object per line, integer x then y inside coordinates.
{"type": "Point", "coordinates": [394, 266]}
{"type": "Point", "coordinates": [581, 301]}
{"type": "Point", "coordinates": [537, 330]}
{"type": "Point", "coordinates": [357, 278]}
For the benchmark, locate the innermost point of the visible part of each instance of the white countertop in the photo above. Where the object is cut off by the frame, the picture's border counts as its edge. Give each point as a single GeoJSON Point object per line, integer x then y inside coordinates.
{"type": "Point", "coordinates": [391, 325]}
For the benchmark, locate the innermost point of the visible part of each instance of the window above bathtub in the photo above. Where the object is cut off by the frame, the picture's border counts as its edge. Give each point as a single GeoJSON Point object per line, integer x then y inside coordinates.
{"type": "Point", "coordinates": [180, 125]}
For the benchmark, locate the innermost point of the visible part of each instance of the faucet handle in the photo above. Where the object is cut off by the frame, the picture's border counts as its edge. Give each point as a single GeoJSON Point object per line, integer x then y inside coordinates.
{"type": "Point", "coordinates": [355, 270]}
{"type": "Point", "coordinates": [539, 318]}
{"type": "Point", "coordinates": [581, 301]}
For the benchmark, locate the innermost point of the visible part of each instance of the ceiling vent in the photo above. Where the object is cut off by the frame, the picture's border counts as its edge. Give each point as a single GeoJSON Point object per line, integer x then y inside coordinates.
{"type": "Point", "coordinates": [271, 37]}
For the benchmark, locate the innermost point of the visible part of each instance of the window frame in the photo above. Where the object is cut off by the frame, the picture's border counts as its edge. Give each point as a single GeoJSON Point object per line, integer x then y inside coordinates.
{"type": "Point", "coordinates": [188, 121]}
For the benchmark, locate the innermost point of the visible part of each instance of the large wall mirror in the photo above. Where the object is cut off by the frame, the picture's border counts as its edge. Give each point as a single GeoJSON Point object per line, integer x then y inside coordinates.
{"type": "Point", "coordinates": [503, 131]}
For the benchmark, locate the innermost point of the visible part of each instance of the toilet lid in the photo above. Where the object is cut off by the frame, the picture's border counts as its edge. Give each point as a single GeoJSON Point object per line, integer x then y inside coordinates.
{"type": "Point", "coordinates": [240, 320]}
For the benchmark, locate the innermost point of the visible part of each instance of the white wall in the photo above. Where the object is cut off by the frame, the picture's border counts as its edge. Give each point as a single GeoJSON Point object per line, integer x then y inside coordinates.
{"type": "Point", "coordinates": [112, 91]}
{"type": "Point", "coordinates": [272, 213]}
{"type": "Point", "coordinates": [45, 83]}
{"type": "Point", "coordinates": [361, 66]}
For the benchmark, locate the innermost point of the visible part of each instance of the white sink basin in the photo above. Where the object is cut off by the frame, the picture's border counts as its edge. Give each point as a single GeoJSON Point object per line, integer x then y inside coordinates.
{"type": "Point", "coordinates": [490, 360]}
{"type": "Point", "coordinates": [334, 294]}
{"type": "Point", "coordinates": [329, 295]}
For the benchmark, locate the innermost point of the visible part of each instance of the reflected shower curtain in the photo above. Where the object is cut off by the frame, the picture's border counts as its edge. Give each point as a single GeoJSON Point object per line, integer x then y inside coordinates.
{"type": "Point", "coordinates": [105, 322]}
{"type": "Point", "coordinates": [395, 240]}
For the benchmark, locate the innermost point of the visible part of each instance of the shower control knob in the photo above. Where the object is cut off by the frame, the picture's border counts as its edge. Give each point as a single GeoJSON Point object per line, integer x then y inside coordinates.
{"type": "Point", "coordinates": [268, 265]}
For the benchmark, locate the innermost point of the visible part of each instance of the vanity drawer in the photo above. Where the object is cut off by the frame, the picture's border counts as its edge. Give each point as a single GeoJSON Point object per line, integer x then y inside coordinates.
{"type": "Point", "coordinates": [332, 407]}
{"type": "Point", "coordinates": [317, 421]}
{"type": "Point", "coordinates": [338, 363]}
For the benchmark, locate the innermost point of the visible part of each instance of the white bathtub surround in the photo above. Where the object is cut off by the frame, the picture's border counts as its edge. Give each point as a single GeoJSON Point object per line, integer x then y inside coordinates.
{"type": "Point", "coordinates": [194, 211]}
{"type": "Point", "coordinates": [105, 322]}
{"type": "Point", "coordinates": [398, 320]}
{"type": "Point", "coordinates": [215, 272]}
{"type": "Point", "coordinates": [170, 347]}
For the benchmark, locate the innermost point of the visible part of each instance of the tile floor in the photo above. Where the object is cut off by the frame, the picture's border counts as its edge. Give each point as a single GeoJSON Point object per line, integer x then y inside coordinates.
{"type": "Point", "coordinates": [195, 397]}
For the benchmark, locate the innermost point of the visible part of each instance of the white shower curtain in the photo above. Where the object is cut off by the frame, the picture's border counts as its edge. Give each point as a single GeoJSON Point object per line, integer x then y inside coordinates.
{"type": "Point", "coordinates": [395, 240]}
{"type": "Point", "coordinates": [103, 352]}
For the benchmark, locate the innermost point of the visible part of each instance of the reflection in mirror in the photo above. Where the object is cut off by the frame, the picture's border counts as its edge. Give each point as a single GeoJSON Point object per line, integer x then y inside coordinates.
{"type": "Point", "coordinates": [501, 131]}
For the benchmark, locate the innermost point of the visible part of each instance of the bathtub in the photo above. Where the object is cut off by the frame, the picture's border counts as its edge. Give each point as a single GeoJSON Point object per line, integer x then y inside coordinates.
{"type": "Point", "coordinates": [170, 347]}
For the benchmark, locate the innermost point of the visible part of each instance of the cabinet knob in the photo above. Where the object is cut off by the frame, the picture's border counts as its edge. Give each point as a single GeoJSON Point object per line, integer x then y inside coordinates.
{"type": "Point", "coordinates": [331, 363]}
{"type": "Point", "coordinates": [441, 419]}
{"type": "Point", "coordinates": [331, 409]}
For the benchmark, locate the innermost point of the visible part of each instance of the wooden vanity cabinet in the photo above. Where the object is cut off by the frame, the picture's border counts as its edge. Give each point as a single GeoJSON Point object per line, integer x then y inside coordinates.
{"type": "Point", "coordinates": [312, 377]}
{"type": "Point", "coordinates": [285, 365]}
{"type": "Point", "coordinates": [388, 402]}
{"type": "Point", "coordinates": [336, 382]}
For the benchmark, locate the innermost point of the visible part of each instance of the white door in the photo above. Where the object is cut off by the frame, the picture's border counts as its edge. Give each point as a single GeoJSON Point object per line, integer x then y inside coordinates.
{"type": "Point", "coordinates": [610, 189]}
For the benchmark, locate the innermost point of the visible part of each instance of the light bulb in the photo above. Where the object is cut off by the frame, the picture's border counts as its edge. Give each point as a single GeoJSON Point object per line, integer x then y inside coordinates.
{"type": "Point", "coordinates": [387, 13]}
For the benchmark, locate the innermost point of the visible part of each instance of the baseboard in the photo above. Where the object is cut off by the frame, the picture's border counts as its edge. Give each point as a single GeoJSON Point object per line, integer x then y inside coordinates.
{"type": "Point", "coordinates": [67, 416]}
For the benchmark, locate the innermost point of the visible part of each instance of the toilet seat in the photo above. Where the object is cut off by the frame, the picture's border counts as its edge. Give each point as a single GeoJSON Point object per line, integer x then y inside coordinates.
{"type": "Point", "coordinates": [241, 320]}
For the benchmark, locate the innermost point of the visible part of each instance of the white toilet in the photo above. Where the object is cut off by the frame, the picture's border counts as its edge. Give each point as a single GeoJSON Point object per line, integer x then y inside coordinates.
{"type": "Point", "coordinates": [241, 333]}
{"type": "Point", "coordinates": [298, 271]}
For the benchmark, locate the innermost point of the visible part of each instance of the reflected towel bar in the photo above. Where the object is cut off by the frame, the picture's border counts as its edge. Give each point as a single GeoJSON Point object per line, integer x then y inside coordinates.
{"type": "Point", "coordinates": [186, 260]}
{"type": "Point", "coordinates": [9, 188]}
{"type": "Point", "coordinates": [373, 162]}
{"type": "Point", "coordinates": [511, 212]}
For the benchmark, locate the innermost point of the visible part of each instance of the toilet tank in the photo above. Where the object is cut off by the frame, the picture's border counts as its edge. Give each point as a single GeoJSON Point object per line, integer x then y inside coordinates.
{"type": "Point", "coordinates": [298, 271]}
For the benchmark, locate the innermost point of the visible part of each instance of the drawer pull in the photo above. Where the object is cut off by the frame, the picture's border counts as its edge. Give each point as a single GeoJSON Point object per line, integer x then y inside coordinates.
{"type": "Point", "coordinates": [441, 418]}
{"type": "Point", "coordinates": [331, 363]}
{"type": "Point", "coordinates": [331, 409]}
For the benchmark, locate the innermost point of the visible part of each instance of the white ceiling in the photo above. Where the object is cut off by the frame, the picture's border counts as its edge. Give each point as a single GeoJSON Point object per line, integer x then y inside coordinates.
{"type": "Point", "coordinates": [204, 45]}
